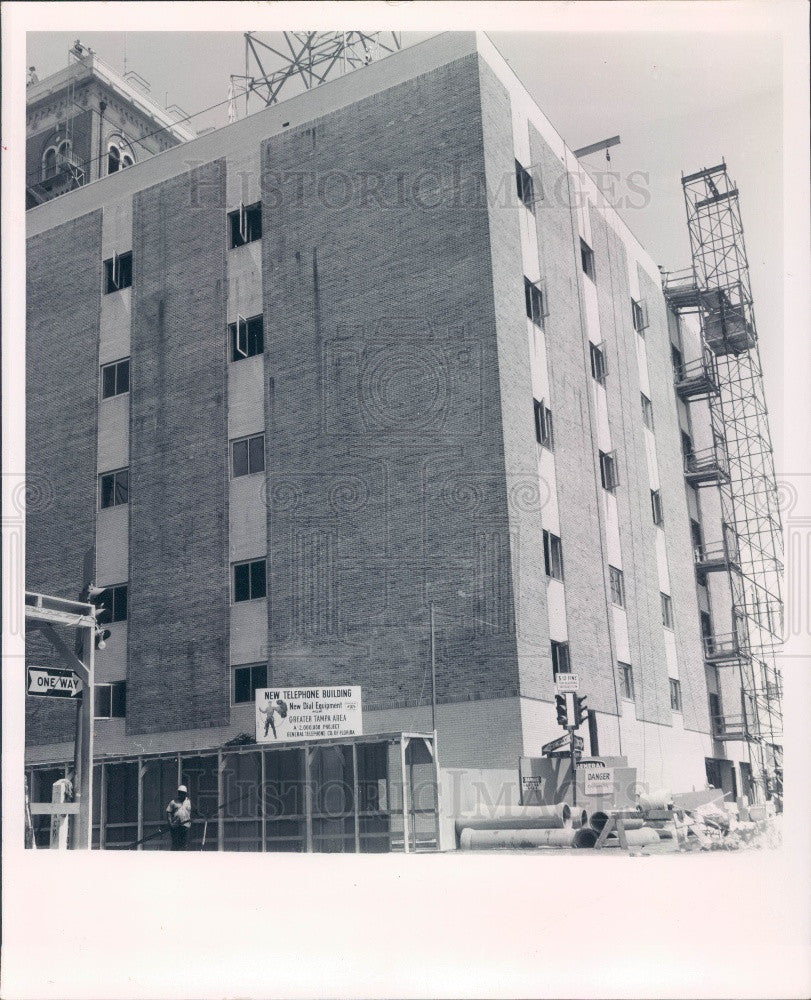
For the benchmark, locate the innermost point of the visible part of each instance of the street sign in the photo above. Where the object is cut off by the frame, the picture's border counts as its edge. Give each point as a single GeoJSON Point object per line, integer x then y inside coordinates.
{"type": "Point", "coordinates": [599, 781]}
{"type": "Point", "coordinates": [561, 742]}
{"type": "Point", "coordinates": [53, 682]}
{"type": "Point", "coordinates": [567, 682]}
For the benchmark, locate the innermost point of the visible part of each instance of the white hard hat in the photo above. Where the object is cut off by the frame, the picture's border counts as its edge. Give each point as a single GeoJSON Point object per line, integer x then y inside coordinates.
{"type": "Point", "coordinates": [182, 788]}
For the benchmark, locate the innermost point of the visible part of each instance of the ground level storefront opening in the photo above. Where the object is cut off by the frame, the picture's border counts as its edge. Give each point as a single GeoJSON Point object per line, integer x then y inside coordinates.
{"type": "Point", "coordinates": [363, 794]}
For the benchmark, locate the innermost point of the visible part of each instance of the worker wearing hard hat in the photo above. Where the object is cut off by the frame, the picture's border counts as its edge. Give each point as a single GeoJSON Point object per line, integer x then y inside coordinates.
{"type": "Point", "coordinates": [179, 812]}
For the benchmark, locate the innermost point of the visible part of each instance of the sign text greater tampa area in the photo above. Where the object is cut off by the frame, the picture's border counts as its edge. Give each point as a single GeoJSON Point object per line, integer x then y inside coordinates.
{"type": "Point", "coordinates": [307, 713]}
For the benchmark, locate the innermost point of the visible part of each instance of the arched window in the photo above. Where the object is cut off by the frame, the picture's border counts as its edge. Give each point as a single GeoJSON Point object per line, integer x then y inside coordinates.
{"type": "Point", "coordinates": [113, 158]}
{"type": "Point", "coordinates": [119, 154]}
{"type": "Point", "coordinates": [65, 147]}
{"type": "Point", "coordinates": [49, 162]}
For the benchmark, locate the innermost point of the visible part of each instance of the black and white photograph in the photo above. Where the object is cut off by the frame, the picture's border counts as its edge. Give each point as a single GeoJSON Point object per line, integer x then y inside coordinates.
{"type": "Point", "coordinates": [405, 456]}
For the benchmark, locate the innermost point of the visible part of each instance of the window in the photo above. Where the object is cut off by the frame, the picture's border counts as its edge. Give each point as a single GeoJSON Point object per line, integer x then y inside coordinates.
{"type": "Point", "coordinates": [678, 360]}
{"type": "Point", "coordinates": [112, 604]}
{"type": "Point", "coordinates": [617, 586]}
{"type": "Point", "coordinates": [639, 316]}
{"type": "Point", "coordinates": [667, 611]}
{"type": "Point", "coordinates": [117, 272]}
{"type": "Point", "coordinates": [523, 182]}
{"type": "Point", "coordinates": [246, 681]}
{"type": "Point", "coordinates": [626, 681]}
{"type": "Point", "coordinates": [656, 508]}
{"type": "Point", "coordinates": [647, 412]}
{"type": "Point", "coordinates": [114, 488]}
{"type": "Point", "coordinates": [247, 337]}
{"type": "Point", "coordinates": [110, 701]}
{"type": "Point", "coordinates": [686, 444]}
{"type": "Point", "coordinates": [113, 159]}
{"type": "Point", "coordinates": [535, 302]}
{"type": "Point", "coordinates": [248, 455]}
{"type": "Point", "coordinates": [115, 378]}
{"type": "Point", "coordinates": [698, 536]}
{"type": "Point", "coordinates": [543, 425]}
{"type": "Point", "coordinates": [675, 695]}
{"type": "Point", "coordinates": [552, 555]}
{"type": "Point", "coordinates": [599, 369]}
{"type": "Point", "coordinates": [250, 580]}
{"type": "Point", "coordinates": [587, 259]}
{"type": "Point", "coordinates": [49, 163]}
{"type": "Point", "coordinates": [245, 224]}
{"type": "Point", "coordinates": [560, 658]}
{"type": "Point", "coordinates": [608, 471]}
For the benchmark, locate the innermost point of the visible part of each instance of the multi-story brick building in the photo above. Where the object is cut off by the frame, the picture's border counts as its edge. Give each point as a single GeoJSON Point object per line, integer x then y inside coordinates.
{"type": "Point", "coordinates": [382, 346]}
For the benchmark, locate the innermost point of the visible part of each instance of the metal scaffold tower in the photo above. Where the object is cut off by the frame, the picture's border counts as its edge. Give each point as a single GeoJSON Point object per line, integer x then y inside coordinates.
{"type": "Point", "coordinates": [304, 60]}
{"type": "Point", "coordinates": [741, 461]}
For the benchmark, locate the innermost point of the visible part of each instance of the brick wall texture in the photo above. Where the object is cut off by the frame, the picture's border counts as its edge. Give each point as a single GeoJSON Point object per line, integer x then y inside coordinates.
{"type": "Point", "coordinates": [179, 574]}
{"type": "Point", "coordinates": [62, 329]}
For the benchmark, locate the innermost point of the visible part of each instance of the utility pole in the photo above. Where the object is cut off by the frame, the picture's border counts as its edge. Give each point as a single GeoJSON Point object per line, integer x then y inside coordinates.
{"type": "Point", "coordinates": [433, 670]}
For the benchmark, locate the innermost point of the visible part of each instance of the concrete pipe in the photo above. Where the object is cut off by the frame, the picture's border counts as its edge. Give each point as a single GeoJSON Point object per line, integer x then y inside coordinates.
{"type": "Point", "coordinates": [477, 840]}
{"type": "Point", "coordinates": [580, 819]}
{"type": "Point", "coordinates": [598, 820]}
{"type": "Point", "coordinates": [656, 800]}
{"type": "Point", "coordinates": [557, 817]}
{"type": "Point", "coordinates": [643, 837]}
{"type": "Point", "coordinates": [585, 837]}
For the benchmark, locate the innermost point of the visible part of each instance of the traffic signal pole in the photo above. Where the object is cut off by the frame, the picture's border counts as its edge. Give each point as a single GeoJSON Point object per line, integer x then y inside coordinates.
{"type": "Point", "coordinates": [574, 765]}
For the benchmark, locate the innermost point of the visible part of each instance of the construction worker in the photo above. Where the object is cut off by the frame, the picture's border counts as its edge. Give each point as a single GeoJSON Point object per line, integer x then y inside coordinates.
{"type": "Point", "coordinates": [179, 812]}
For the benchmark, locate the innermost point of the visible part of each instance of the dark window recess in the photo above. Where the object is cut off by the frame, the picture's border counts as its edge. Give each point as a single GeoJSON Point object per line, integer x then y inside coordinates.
{"type": "Point", "coordinates": [118, 272]}
{"type": "Point", "coordinates": [553, 555]}
{"type": "Point", "coordinates": [245, 224]}
{"type": "Point", "coordinates": [656, 508]}
{"type": "Point", "coordinates": [608, 471]}
{"type": "Point", "coordinates": [110, 701]}
{"type": "Point", "coordinates": [247, 680]}
{"type": "Point", "coordinates": [599, 368]}
{"type": "Point", "coordinates": [560, 658]}
{"type": "Point", "coordinates": [676, 357]}
{"type": "Point", "coordinates": [112, 605]}
{"type": "Point", "coordinates": [114, 488]}
{"type": "Point", "coordinates": [686, 444]}
{"type": "Point", "coordinates": [675, 695]}
{"type": "Point", "coordinates": [248, 455]}
{"type": "Point", "coordinates": [647, 412]}
{"type": "Point", "coordinates": [639, 315]}
{"type": "Point", "coordinates": [593, 737]}
{"type": "Point", "coordinates": [626, 681]}
{"type": "Point", "coordinates": [617, 586]}
{"type": "Point", "coordinates": [250, 580]}
{"type": "Point", "coordinates": [587, 259]}
{"type": "Point", "coordinates": [697, 535]}
{"type": "Point", "coordinates": [543, 425]}
{"type": "Point", "coordinates": [525, 186]}
{"type": "Point", "coordinates": [115, 378]}
{"type": "Point", "coordinates": [247, 337]}
{"type": "Point", "coordinates": [706, 625]}
{"type": "Point", "coordinates": [667, 611]}
{"type": "Point", "coordinates": [535, 302]}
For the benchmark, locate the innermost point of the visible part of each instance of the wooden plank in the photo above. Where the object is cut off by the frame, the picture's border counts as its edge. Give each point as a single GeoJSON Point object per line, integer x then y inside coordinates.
{"type": "Point", "coordinates": [54, 808]}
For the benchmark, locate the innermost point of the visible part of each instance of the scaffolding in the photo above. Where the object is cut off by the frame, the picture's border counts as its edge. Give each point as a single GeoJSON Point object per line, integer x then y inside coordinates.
{"type": "Point", "coordinates": [308, 59]}
{"type": "Point", "coordinates": [730, 379]}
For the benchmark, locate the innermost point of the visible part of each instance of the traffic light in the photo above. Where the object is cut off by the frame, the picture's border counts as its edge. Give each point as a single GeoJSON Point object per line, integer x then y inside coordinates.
{"type": "Point", "coordinates": [560, 706]}
{"type": "Point", "coordinates": [581, 708]}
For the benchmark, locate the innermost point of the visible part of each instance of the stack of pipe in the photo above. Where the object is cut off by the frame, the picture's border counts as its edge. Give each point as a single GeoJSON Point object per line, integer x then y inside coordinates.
{"type": "Point", "coordinates": [526, 827]}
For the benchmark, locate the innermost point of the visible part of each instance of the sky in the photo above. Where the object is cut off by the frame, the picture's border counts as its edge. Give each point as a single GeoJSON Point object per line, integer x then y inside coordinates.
{"type": "Point", "coordinates": [678, 101]}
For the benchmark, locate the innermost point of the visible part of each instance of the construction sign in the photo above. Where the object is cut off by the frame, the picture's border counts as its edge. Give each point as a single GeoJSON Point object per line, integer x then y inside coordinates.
{"type": "Point", "coordinates": [53, 682]}
{"type": "Point", "coordinates": [307, 713]}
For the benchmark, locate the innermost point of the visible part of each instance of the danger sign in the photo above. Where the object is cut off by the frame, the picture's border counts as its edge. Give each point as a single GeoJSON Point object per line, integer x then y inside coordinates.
{"type": "Point", "coordinates": [599, 781]}
{"type": "Point", "coordinates": [53, 682]}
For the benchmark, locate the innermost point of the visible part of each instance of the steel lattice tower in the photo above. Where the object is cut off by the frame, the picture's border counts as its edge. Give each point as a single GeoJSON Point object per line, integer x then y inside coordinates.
{"type": "Point", "coordinates": [741, 460]}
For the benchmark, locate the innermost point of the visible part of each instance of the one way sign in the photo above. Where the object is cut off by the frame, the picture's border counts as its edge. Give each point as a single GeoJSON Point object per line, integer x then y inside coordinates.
{"type": "Point", "coordinates": [53, 682]}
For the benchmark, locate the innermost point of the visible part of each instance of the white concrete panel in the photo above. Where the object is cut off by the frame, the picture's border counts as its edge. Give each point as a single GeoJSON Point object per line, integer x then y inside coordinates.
{"type": "Point", "coordinates": [549, 491]}
{"type": "Point", "coordinates": [116, 228]}
{"type": "Point", "coordinates": [242, 183]}
{"type": "Point", "coordinates": [642, 361]}
{"type": "Point", "coordinates": [114, 433]}
{"type": "Point", "coordinates": [112, 545]}
{"type": "Point", "coordinates": [244, 266]}
{"type": "Point", "coordinates": [620, 623]}
{"type": "Point", "coordinates": [556, 605]}
{"type": "Point", "coordinates": [111, 662]}
{"type": "Point", "coordinates": [246, 396]}
{"type": "Point", "coordinates": [650, 454]}
{"type": "Point", "coordinates": [521, 143]}
{"type": "Point", "coordinates": [633, 276]}
{"type": "Point", "coordinates": [115, 323]}
{"type": "Point", "coordinates": [601, 410]}
{"type": "Point", "coordinates": [537, 353]}
{"type": "Point", "coordinates": [592, 309]}
{"type": "Point", "coordinates": [671, 658]}
{"type": "Point", "coordinates": [661, 561]}
{"type": "Point", "coordinates": [247, 517]}
{"type": "Point", "coordinates": [249, 632]}
{"type": "Point", "coordinates": [612, 529]}
{"type": "Point", "coordinates": [529, 243]}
